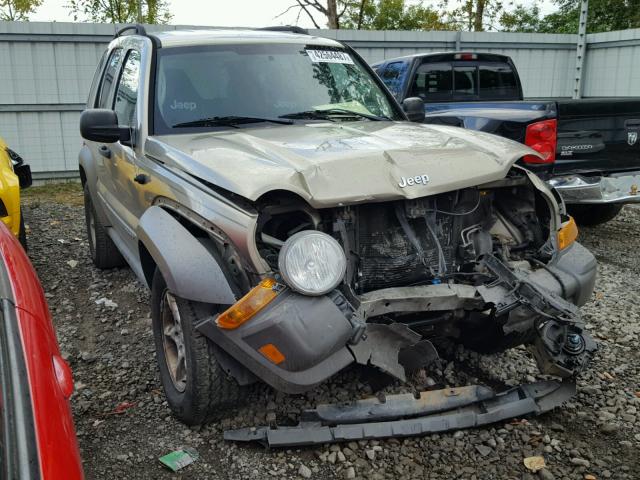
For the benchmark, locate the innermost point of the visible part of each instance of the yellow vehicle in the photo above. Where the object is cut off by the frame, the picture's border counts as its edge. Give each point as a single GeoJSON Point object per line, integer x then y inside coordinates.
{"type": "Point", "coordinates": [14, 175]}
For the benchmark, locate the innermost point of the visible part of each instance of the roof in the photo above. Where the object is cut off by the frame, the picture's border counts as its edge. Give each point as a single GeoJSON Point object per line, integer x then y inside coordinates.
{"type": "Point", "coordinates": [435, 54]}
{"type": "Point", "coordinates": [180, 38]}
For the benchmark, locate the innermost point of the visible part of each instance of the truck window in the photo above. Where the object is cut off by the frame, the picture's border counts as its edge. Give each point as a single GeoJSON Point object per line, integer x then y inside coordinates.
{"type": "Point", "coordinates": [108, 79]}
{"type": "Point", "coordinates": [497, 81]}
{"type": "Point", "coordinates": [432, 82]}
{"type": "Point", "coordinates": [464, 81]}
{"type": "Point", "coordinates": [127, 93]}
{"type": "Point", "coordinates": [475, 80]}
{"type": "Point", "coordinates": [393, 77]}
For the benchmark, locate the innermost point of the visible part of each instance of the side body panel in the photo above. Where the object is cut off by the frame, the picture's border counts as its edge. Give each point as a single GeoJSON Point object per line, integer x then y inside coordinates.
{"type": "Point", "coordinates": [58, 451]}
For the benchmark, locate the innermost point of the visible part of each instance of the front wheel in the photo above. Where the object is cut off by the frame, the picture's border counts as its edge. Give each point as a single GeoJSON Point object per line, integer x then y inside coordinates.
{"type": "Point", "coordinates": [197, 388]}
{"type": "Point", "coordinates": [594, 214]}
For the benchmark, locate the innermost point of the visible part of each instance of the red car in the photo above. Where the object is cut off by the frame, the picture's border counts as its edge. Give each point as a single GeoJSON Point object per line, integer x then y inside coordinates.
{"type": "Point", "coordinates": [38, 437]}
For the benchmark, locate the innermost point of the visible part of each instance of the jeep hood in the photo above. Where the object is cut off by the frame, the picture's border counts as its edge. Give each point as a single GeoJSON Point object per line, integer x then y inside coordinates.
{"type": "Point", "coordinates": [330, 164]}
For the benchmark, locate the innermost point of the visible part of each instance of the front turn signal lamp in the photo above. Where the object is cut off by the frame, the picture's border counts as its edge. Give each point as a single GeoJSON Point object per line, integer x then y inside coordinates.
{"type": "Point", "coordinates": [244, 309]}
{"type": "Point", "coordinates": [567, 234]}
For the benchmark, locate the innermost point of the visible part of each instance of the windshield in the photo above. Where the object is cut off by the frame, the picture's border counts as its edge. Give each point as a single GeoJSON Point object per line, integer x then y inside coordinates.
{"type": "Point", "coordinates": [263, 81]}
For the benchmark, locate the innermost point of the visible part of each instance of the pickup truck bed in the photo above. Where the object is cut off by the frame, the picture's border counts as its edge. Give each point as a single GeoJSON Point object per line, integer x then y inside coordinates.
{"type": "Point", "coordinates": [591, 146]}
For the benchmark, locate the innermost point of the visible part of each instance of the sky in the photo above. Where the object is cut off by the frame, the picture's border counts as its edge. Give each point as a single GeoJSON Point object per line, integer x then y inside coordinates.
{"type": "Point", "coordinates": [232, 13]}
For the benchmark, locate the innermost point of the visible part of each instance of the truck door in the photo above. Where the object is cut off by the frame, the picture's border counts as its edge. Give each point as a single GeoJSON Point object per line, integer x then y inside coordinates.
{"type": "Point", "coordinates": [125, 201]}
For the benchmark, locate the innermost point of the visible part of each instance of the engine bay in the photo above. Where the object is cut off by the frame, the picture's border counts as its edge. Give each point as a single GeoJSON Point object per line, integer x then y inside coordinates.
{"type": "Point", "coordinates": [429, 240]}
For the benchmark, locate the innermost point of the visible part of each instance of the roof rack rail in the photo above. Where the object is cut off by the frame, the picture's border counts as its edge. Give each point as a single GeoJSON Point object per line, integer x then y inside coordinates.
{"type": "Point", "coordinates": [286, 28]}
{"type": "Point", "coordinates": [139, 30]}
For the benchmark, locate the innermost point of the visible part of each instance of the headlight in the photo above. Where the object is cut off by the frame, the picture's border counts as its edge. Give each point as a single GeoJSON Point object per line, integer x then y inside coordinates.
{"type": "Point", "coordinates": [312, 263]}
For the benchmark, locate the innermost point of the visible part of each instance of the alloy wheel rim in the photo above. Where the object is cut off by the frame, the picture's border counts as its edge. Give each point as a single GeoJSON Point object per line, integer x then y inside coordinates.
{"type": "Point", "coordinates": [173, 342]}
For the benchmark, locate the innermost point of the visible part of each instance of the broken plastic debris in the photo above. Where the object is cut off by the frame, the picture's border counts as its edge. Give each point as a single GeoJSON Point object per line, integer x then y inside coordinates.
{"type": "Point", "coordinates": [179, 459]}
{"type": "Point", "coordinates": [534, 464]}
{"type": "Point", "coordinates": [106, 302]}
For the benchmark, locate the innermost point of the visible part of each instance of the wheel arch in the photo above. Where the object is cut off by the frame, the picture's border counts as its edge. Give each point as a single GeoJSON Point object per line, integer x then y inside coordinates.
{"type": "Point", "coordinates": [188, 263]}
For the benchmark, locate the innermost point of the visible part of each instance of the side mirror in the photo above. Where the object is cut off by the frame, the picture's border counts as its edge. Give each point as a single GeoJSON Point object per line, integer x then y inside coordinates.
{"type": "Point", "coordinates": [101, 125]}
{"type": "Point", "coordinates": [414, 108]}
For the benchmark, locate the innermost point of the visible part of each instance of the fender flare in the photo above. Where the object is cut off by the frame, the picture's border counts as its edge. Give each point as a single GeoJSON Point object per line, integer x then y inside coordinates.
{"type": "Point", "coordinates": [189, 268]}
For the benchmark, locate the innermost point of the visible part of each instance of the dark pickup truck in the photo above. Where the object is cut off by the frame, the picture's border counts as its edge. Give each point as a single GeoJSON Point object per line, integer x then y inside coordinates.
{"type": "Point", "coordinates": [590, 147]}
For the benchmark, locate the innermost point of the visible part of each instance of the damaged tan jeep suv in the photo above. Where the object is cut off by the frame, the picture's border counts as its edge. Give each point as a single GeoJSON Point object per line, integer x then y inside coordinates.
{"type": "Point", "coordinates": [291, 219]}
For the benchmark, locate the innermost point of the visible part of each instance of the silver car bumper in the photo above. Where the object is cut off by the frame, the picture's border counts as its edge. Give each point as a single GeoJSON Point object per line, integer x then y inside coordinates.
{"type": "Point", "coordinates": [622, 188]}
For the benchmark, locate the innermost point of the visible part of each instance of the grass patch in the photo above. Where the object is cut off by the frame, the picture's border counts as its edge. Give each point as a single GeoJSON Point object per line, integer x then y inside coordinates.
{"type": "Point", "coordinates": [69, 193]}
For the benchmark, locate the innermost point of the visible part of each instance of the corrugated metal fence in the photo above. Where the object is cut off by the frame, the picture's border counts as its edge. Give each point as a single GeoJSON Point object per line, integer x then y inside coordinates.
{"type": "Point", "coordinates": [46, 70]}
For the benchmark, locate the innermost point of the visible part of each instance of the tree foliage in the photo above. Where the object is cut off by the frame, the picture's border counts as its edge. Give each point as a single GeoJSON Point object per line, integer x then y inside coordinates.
{"type": "Point", "coordinates": [12, 10]}
{"type": "Point", "coordinates": [470, 15]}
{"type": "Point", "coordinates": [604, 16]}
{"type": "Point", "coordinates": [392, 15]}
{"type": "Point", "coordinates": [474, 15]}
{"type": "Point", "coordinates": [372, 14]}
{"type": "Point", "coordinates": [120, 11]}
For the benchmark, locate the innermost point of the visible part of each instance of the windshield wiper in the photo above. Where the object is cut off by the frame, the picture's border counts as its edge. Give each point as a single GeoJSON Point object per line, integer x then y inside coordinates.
{"type": "Point", "coordinates": [326, 113]}
{"type": "Point", "coordinates": [229, 121]}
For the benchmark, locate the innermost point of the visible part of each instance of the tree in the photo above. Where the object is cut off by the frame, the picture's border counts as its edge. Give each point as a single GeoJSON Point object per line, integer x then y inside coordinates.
{"type": "Point", "coordinates": [121, 11]}
{"type": "Point", "coordinates": [13, 10]}
{"type": "Point", "coordinates": [392, 15]}
{"type": "Point", "coordinates": [372, 14]}
{"type": "Point", "coordinates": [522, 19]}
{"type": "Point", "coordinates": [474, 15]}
{"type": "Point", "coordinates": [604, 16]}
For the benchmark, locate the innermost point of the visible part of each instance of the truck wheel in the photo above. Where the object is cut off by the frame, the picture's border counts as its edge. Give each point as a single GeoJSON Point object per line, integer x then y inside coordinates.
{"type": "Point", "coordinates": [197, 389]}
{"type": "Point", "coordinates": [22, 233]}
{"type": "Point", "coordinates": [104, 252]}
{"type": "Point", "coordinates": [594, 214]}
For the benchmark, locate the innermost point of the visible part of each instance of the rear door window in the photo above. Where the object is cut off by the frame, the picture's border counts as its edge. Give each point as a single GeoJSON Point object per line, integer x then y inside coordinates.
{"type": "Point", "coordinates": [108, 79]}
{"type": "Point", "coordinates": [465, 81]}
{"type": "Point", "coordinates": [432, 82]}
{"type": "Point", "coordinates": [127, 92]}
{"type": "Point", "coordinates": [497, 81]}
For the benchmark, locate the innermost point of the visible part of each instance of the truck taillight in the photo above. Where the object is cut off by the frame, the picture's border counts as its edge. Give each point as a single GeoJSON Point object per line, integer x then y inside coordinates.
{"type": "Point", "coordinates": [542, 137]}
{"type": "Point", "coordinates": [465, 56]}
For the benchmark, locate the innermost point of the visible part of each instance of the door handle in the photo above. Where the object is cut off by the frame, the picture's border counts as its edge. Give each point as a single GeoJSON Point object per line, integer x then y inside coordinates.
{"type": "Point", "coordinates": [104, 151]}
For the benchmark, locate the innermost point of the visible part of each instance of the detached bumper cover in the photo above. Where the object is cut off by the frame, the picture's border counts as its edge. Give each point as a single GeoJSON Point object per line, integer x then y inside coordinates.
{"type": "Point", "coordinates": [598, 190]}
{"type": "Point", "coordinates": [403, 415]}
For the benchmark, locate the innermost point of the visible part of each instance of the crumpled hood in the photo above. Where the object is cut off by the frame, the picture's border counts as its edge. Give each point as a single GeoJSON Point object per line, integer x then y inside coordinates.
{"type": "Point", "coordinates": [330, 164]}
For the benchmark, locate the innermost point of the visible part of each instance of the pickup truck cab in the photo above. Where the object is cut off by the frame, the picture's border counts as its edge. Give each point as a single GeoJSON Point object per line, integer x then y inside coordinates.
{"type": "Point", "coordinates": [590, 148]}
{"type": "Point", "coordinates": [290, 221]}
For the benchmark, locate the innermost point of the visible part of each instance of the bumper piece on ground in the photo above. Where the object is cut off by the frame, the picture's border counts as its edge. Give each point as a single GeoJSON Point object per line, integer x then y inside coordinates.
{"type": "Point", "coordinates": [404, 415]}
{"type": "Point", "coordinates": [613, 189]}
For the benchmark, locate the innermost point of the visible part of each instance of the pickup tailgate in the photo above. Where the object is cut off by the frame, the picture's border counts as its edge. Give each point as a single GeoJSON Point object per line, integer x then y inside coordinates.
{"type": "Point", "coordinates": [595, 135]}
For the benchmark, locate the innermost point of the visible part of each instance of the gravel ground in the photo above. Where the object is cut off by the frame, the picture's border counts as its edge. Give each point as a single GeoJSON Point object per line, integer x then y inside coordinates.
{"type": "Point", "coordinates": [124, 425]}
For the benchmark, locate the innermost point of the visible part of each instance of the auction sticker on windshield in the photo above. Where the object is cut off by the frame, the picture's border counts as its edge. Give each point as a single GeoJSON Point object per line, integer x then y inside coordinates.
{"type": "Point", "coordinates": [329, 56]}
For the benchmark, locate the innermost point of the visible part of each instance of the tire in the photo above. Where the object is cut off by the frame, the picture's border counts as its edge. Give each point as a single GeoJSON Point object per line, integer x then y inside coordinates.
{"type": "Point", "coordinates": [104, 252]}
{"type": "Point", "coordinates": [22, 234]}
{"type": "Point", "coordinates": [594, 214]}
{"type": "Point", "coordinates": [199, 391]}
